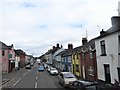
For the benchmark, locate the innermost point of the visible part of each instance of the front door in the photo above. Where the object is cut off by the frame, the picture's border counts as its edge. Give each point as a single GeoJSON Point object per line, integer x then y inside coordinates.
{"type": "Point", "coordinates": [118, 74]}
{"type": "Point", "coordinates": [107, 73]}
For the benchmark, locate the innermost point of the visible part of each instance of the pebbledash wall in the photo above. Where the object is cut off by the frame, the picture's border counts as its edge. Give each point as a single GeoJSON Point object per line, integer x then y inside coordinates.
{"type": "Point", "coordinates": [111, 43]}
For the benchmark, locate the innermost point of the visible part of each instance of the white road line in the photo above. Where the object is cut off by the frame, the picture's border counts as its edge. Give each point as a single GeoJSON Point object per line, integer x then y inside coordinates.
{"type": "Point", "coordinates": [24, 73]}
{"type": "Point", "coordinates": [36, 77]}
{"type": "Point", "coordinates": [16, 83]}
{"type": "Point", "coordinates": [36, 85]}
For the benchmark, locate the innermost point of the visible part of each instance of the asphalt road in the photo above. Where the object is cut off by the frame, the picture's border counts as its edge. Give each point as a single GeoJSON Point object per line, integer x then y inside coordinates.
{"type": "Point", "coordinates": [35, 79]}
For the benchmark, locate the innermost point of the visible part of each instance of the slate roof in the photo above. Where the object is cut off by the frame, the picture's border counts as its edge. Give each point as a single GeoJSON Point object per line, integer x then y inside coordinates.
{"type": "Point", "coordinates": [19, 51]}
{"type": "Point", "coordinates": [4, 46]}
{"type": "Point", "coordinates": [89, 45]}
{"type": "Point", "coordinates": [61, 53]}
{"type": "Point", "coordinates": [77, 49]}
{"type": "Point", "coordinates": [68, 52]}
{"type": "Point", "coordinates": [115, 28]}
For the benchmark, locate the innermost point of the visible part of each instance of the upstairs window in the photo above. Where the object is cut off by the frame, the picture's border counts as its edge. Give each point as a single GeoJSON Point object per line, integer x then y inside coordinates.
{"type": "Point", "coordinates": [3, 53]}
{"type": "Point", "coordinates": [77, 56]}
{"type": "Point", "coordinates": [83, 56]}
{"type": "Point", "coordinates": [103, 49]}
{"type": "Point", "coordinates": [91, 55]}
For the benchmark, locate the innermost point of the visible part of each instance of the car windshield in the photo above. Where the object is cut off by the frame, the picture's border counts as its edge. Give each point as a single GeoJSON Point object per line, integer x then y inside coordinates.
{"type": "Point", "coordinates": [52, 69]}
{"type": "Point", "coordinates": [90, 88]}
{"type": "Point", "coordinates": [69, 75]}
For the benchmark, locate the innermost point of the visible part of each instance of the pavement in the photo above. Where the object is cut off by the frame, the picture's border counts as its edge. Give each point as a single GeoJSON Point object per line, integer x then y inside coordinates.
{"type": "Point", "coordinates": [6, 77]}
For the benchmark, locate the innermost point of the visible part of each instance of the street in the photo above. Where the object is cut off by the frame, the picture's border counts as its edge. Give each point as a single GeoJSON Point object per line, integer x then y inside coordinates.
{"type": "Point", "coordinates": [31, 78]}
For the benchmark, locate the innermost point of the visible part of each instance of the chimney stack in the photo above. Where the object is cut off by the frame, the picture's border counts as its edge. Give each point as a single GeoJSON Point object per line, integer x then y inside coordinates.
{"type": "Point", "coordinates": [53, 47]}
{"type": "Point", "coordinates": [70, 46]}
{"type": "Point", "coordinates": [57, 45]}
{"type": "Point", "coordinates": [115, 19]}
{"type": "Point", "coordinates": [102, 32]}
{"type": "Point", "coordinates": [84, 41]}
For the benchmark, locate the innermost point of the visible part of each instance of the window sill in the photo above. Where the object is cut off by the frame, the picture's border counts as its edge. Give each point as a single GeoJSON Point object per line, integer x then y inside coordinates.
{"type": "Point", "coordinates": [91, 75]}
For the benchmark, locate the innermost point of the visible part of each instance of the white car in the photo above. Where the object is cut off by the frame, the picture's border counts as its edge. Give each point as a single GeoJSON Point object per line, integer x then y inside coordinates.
{"type": "Point", "coordinates": [53, 71]}
{"type": "Point", "coordinates": [49, 68]}
{"type": "Point", "coordinates": [65, 78]}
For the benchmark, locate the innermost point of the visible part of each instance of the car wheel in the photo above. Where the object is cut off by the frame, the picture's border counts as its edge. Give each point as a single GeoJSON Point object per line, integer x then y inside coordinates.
{"type": "Point", "coordinates": [64, 85]}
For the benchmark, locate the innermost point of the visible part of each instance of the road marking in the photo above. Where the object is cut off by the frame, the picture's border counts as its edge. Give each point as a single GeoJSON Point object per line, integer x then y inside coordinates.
{"type": "Point", "coordinates": [16, 83]}
{"type": "Point", "coordinates": [36, 77]}
{"type": "Point", "coordinates": [36, 85]}
{"type": "Point", "coordinates": [24, 73]}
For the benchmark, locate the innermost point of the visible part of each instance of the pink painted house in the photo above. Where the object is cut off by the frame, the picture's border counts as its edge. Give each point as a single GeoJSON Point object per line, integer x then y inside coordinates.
{"type": "Point", "coordinates": [4, 51]}
{"type": "Point", "coordinates": [7, 57]}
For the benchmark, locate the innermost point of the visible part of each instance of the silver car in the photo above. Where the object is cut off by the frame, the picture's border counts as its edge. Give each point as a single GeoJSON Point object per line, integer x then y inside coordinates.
{"type": "Point", "coordinates": [65, 78]}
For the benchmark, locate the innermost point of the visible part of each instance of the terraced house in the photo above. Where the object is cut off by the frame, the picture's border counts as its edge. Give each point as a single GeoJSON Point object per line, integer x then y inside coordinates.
{"type": "Point", "coordinates": [7, 59]}
{"type": "Point", "coordinates": [108, 52]}
{"type": "Point", "coordinates": [66, 58]}
{"type": "Point", "coordinates": [88, 60]}
{"type": "Point", "coordinates": [76, 62]}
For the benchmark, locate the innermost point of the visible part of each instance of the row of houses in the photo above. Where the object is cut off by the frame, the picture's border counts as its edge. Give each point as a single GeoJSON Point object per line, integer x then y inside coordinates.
{"type": "Point", "coordinates": [12, 59]}
{"type": "Point", "coordinates": [96, 59]}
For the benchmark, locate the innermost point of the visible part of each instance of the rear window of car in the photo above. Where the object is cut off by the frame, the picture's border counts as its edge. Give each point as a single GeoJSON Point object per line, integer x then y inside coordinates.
{"type": "Point", "coordinates": [69, 75]}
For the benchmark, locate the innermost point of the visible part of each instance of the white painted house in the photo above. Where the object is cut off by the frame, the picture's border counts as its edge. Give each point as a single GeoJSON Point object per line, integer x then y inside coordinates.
{"type": "Point", "coordinates": [108, 52]}
{"type": "Point", "coordinates": [50, 53]}
{"type": "Point", "coordinates": [57, 58]}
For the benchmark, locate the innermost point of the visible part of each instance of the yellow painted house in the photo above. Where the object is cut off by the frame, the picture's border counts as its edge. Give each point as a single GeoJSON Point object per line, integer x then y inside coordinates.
{"type": "Point", "coordinates": [76, 64]}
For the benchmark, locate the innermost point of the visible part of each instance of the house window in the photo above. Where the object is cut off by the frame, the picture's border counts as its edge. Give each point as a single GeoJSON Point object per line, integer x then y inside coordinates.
{"type": "Point", "coordinates": [91, 55]}
{"type": "Point", "coordinates": [83, 56]}
{"type": "Point", "coordinates": [77, 68]}
{"type": "Point", "coordinates": [73, 56]}
{"type": "Point", "coordinates": [91, 71]}
{"type": "Point", "coordinates": [3, 53]}
{"type": "Point", "coordinates": [77, 56]}
{"type": "Point", "coordinates": [10, 55]}
{"type": "Point", "coordinates": [103, 49]}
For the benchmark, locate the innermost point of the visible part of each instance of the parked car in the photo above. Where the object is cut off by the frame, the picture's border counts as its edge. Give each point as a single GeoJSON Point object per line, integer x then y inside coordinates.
{"type": "Point", "coordinates": [31, 63]}
{"type": "Point", "coordinates": [28, 66]}
{"type": "Point", "coordinates": [40, 68]}
{"type": "Point", "coordinates": [83, 85]}
{"type": "Point", "coordinates": [65, 78]}
{"type": "Point", "coordinates": [49, 68]}
{"type": "Point", "coordinates": [45, 65]}
{"type": "Point", "coordinates": [53, 71]}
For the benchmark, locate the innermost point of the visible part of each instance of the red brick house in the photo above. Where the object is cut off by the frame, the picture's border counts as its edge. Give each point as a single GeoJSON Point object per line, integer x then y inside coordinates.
{"type": "Point", "coordinates": [88, 60]}
{"type": "Point", "coordinates": [22, 56]}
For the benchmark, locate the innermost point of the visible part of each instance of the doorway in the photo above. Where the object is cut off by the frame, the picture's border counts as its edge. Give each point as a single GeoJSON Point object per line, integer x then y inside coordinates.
{"type": "Point", "coordinates": [107, 73]}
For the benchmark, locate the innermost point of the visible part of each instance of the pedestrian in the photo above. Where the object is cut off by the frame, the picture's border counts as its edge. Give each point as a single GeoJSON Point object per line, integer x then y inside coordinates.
{"type": "Point", "coordinates": [116, 85]}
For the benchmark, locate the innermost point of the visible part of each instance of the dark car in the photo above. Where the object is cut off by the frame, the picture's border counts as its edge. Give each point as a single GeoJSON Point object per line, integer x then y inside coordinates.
{"type": "Point", "coordinates": [28, 66]}
{"type": "Point", "coordinates": [83, 85]}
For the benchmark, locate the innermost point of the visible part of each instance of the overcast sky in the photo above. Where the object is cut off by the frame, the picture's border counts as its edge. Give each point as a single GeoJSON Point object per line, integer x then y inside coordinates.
{"type": "Point", "coordinates": [36, 25]}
